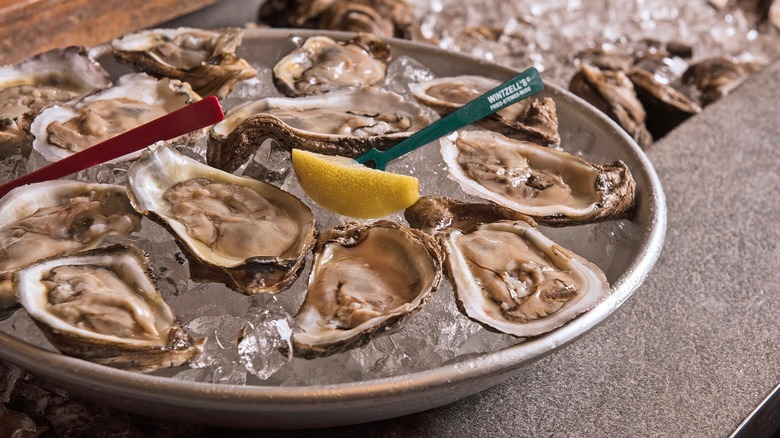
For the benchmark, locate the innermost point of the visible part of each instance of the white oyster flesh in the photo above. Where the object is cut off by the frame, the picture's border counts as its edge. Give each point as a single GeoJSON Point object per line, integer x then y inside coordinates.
{"type": "Point", "coordinates": [61, 131]}
{"type": "Point", "coordinates": [204, 58]}
{"type": "Point", "coordinates": [366, 280]}
{"type": "Point", "coordinates": [355, 113]}
{"type": "Point", "coordinates": [101, 305]}
{"type": "Point", "coordinates": [323, 65]}
{"type": "Point", "coordinates": [58, 217]}
{"type": "Point", "coordinates": [549, 185]}
{"type": "Point", "coordinates": [180, 48]}
{"type": "Point", "coordinates": [26, 88]}
{"type": "Point", "coordinates": [513, 279]}
{"type": "Point", "coordinates": [252, 234]}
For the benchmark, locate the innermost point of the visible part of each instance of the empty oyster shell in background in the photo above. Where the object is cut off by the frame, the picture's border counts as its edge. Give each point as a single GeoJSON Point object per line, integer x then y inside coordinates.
{"type": "Point", "coordinates": [552, 186]}
{"type": "Point", "coordinates": [665, 106]}
{"type": "Point", "coordinates": [137, 98]}
{"type": "Point", "coordinates": [366, 279]}
{"type": "Point", "coordinates": [48, 78]}
{"type": "Point", "coordinates": [206, 59]}
{"type": "Point", "coordinates": [715, 77]}
{"type": "Point", "coordinates": [102, 305]}
{"type": "Point", "coordinates": [506, 274]}
{"type": "Point", "coordinates": [613, 94]}
{"type": "Point", "coordinates": [247, 234]}
{"type": "Point", "coordinates": [344, 122]}
{"type": "Point", "coordinates": [322, 65]}
{"type": "Point", "coordinates": [51, 218]}
{"type": "Point", "coordinates": [531, 119]}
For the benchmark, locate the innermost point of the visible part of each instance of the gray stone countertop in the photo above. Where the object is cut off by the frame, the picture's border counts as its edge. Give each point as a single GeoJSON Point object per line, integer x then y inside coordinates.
{"type": "Point", "coordinates": [698, 345]}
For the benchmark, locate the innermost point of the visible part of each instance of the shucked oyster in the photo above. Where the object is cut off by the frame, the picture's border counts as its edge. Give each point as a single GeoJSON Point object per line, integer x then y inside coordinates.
{"type": "Point", "coordinates": [58, 217]}
{"type": "Point", "coordinates": [206, 59]}
{"type": "Point", "coordinates": [27, 88]}
{"type": "Point", "coordinates": [61, 131]}
{"type": "Point", "coordinates": [552, 186]}
{"type": "Point", "coordinates": [507, 275]}
{"type": "Point", "coordinates": [345, 122]}
{"type": "Point", "coordinates": [531, 119]}
{"type": "Point", "coordinates": [245, 233]}
{"type": "Point", "coordinates": [102, 305]}
{"type": "Point", "coordinates": [365, 281]}
{"type": "Point", "coordinates": [322, 65]}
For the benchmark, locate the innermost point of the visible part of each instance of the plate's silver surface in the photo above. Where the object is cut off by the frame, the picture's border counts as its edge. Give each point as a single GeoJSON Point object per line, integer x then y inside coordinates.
{"type": "Point", "coordinates": [351, 403]}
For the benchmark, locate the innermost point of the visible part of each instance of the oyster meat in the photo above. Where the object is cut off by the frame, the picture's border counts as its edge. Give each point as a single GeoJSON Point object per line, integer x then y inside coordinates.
{"type": "Point", "coordinates": [531, 119]}
{"type": "Point", "coordinates": [137, 98]}
{"type": "Point", "coordinates": [322, 65]}
{"type": "Point", "coordinates": [45, 79]}
{"type": "Point", "coordinates": [247, 234]}
{"type": "Point", "coordinates": [58, 217]}
{"type": "Point", "coordinates": [366, 280]}
{"type": "Point", "coordinates": [345, 122]}
{"type": "Point", "coordinates": [552, 186]}
{"type": "Point", "coordinates": [102, 305]}
{"type": "Point", "coordinates": [506, 274]}
{"type": "Point", "coordinates": [206, 59]}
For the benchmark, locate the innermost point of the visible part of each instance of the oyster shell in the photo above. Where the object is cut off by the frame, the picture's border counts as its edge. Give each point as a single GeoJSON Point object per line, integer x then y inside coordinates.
{"type": "Point", "coordinates": [531, 119]}
{"type": "Point", "coordinates": [385, 18]}
{"type": "Point", "coordinates": [322, 65]}
{"type": "Point", "coordinates": [247, 234]}
{"type": "Point", "coordinates": [58, 217]}
{"type": "Point", "coordinates": [506, 274]}
{"type": "Point", "coordinates": [552, 186]}
{"type": "Point", "coordinates": [206, 59]}
{"type": "Point", "coordinates": [102, 305]}
{"type": "Point", "coordinates": [715, 77]}
{"type": "Point", "coordinates": [345, 122]}
{"type": "Point", "coordinates": [613, 94]}
{"type": "Point", "coordinates": [366, 280]}
{"type": "Point", "coordinates": [137, 98]}
{"type": "Point", "coordinates": [665, 106]}
{"type": "Point", "coordinates": [48, 78]}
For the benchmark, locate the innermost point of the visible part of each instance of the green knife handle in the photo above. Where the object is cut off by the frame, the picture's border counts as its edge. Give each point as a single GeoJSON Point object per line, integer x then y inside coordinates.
{"type": "Point", "coordinates": [514, 90]}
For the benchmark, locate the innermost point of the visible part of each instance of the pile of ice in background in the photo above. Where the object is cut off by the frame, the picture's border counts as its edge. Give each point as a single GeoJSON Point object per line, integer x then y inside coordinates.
{"type": "Point", "coordinates": [548, 34]}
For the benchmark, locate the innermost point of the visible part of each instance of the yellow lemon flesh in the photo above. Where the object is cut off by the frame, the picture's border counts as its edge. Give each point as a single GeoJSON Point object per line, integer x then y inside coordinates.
{"type": "Point", "coordinates": [346, 187]}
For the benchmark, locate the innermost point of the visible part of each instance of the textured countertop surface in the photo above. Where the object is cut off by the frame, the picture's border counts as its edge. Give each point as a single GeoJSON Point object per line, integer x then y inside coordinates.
{"type": "Point", "coordinates": [698, 345]}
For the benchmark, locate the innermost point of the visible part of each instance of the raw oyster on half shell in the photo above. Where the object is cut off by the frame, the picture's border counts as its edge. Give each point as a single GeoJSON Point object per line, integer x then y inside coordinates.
{"type": "Point", "coordinates": [58, 217]}
{"type": "Point", "coordinates": [322, 65]}
{"type": "Point", "coordinates": [247, 234]}
{"type": "Point", "coordinates": [531, 119]}
{"type": "Point", "coordinates": [48, 78]}
{"type": "Point", "coordinates": [206, 59]}
{"type": "Point", "coordinates": [102, 305]}
{"type": "Point", "coordinates": [554, 187]}
{"type": "Point", "coordinates": [366, 279]}
{"type": "Point", "coordinates": [506, 274]}
{"type": "Point", "coordinates": [345, 122]}
{"type": "Point", "coordinates": [137, 98]}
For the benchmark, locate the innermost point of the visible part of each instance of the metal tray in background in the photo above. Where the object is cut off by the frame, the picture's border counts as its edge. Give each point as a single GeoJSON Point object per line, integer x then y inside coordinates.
{"type": "Point", "coordinates": [351, 403]}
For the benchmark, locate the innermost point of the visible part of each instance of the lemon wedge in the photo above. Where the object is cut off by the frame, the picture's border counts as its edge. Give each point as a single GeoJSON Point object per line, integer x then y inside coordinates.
{"type": "Point", "coordinates": [346, 187]}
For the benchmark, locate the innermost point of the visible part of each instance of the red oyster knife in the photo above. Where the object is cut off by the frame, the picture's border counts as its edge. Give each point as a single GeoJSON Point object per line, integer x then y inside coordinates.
{"type": "Point", "coordinates": [194, 116]}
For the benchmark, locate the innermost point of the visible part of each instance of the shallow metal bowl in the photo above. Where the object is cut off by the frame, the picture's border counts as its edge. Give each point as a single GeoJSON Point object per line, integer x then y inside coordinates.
{"type": "Point", "coordinates": [351, 403]}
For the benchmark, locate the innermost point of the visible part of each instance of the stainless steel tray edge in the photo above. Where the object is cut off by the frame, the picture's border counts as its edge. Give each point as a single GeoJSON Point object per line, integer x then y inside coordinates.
{"type": "Point", "coordinates": [352, 403]}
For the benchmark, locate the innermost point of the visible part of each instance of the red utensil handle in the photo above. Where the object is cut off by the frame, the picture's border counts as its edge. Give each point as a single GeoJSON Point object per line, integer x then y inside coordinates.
{"type": "Point", "coordinates": [194, 116]}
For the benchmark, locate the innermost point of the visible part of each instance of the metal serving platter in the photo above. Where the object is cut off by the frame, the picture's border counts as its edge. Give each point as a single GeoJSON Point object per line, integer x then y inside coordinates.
{"type": "Point", "coordinates": [364, 401]}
